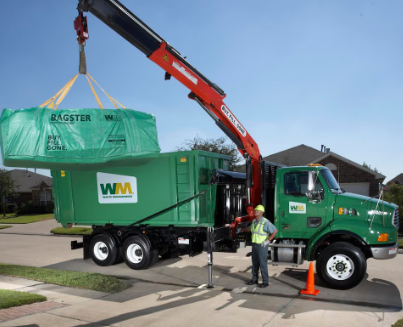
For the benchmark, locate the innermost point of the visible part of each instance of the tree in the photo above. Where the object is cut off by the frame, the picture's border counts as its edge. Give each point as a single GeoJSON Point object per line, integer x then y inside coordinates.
{"type": "Point", "coordinates": [369, 167]}
{"type": "Point", "coordinates": [8, 188]}
{"type": "Point", "coordinates": [220, 145]}
{"type": "Point", "coordinates": [394, 194]}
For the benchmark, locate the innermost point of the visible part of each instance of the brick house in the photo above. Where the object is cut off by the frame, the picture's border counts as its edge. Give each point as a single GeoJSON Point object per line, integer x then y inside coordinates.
{"type": "Point", "coordinates": [32, 187]}
{"type": "Point", "coordinates": [397, 180]}
{"type": "Point", "coordinates": [351, 176]}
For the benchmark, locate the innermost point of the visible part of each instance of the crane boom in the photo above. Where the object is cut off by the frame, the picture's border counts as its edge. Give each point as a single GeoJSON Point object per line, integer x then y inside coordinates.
{"type": "Point", "coordinates": [206, 93]}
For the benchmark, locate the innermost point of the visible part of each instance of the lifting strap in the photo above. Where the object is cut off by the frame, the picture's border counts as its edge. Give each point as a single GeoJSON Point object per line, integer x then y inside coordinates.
{"type": "Point", "coordinates": [95, 93]}
{"type": "Point", "coordinates": [60, 95]}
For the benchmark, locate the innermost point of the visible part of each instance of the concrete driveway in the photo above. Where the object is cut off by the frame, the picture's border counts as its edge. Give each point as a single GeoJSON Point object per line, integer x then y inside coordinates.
{"type": "Point", "coordinates": [170, 291]}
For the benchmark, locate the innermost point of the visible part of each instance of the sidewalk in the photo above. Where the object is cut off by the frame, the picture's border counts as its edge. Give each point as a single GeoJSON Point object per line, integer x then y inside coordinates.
{"type": "Point", "coordinates": [57, 296]}
{"type": "Point", "coordinates": [38, 228]}
{"type": "Point", "coordinates": [148, 304]}
{"type": "Point", "coordinates": [28, 309]}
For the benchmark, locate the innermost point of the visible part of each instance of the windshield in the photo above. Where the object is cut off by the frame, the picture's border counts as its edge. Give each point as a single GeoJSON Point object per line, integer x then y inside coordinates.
{"type": "Point", "coordinates": [330, 180]}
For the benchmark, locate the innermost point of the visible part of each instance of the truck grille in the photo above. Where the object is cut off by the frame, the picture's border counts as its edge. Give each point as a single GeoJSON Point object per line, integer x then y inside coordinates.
{"type": "Point", "coordinates": [395, 218]}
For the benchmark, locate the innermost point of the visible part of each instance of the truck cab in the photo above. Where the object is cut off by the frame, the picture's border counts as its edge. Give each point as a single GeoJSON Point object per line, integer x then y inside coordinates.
{"type": "Point", "coordinates": [317, 220]}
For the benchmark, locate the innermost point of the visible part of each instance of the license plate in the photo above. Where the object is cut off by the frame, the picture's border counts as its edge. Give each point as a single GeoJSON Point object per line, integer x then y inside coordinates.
{"type": "Point", "coordinates": [392, 250]}
{"type": "Point", "coordinates": [183, 240]}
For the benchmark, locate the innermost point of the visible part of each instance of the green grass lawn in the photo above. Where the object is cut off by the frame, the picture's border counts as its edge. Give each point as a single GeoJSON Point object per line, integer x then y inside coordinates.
{"type": "Point", "coordinates": [398, 323]}
{"type": "Point", "coordinates": [10, 299]}
{"type": "Point", "coordinates": [90, 281]}
{"type": "Point", "coordinates": [400, 245]}
{"type": "Point", "coordinates": [26, 219]}
{"type": "Point", "coordinates": [72, 231]}
{"type": "Point", "coordinates": [5, 226]}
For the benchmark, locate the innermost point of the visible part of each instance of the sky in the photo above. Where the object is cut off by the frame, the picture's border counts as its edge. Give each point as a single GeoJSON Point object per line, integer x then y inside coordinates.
{"type": "Point", "coordinates": [295, 72]}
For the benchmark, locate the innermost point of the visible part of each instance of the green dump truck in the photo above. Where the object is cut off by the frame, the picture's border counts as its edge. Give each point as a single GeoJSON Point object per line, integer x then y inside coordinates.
{"type": "Point", "coordinates": [183, 202]}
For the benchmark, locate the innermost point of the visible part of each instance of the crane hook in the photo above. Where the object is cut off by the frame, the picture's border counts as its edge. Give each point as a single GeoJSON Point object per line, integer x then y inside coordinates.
{"type": "Point", "coordinates": [81, 27]}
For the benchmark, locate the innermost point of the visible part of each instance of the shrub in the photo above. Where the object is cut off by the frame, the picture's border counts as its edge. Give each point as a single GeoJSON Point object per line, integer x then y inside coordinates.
{"type": "Point", "coordinates": [29, 208]}
{"type": "Point", "coordinates": [394, 194]}
{"type": "Point", "coordinates": [49, 208]}
{"type": "Point", "coordinates": [12, 208]}
{"type": "Point", "coordinates": [26, 208]}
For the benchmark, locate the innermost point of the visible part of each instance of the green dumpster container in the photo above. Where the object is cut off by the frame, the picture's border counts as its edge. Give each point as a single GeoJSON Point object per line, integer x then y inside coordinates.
{"type": "Point", "coordinates": [122, 196]}
{"type": "Point", "coordinates": [77, 139]}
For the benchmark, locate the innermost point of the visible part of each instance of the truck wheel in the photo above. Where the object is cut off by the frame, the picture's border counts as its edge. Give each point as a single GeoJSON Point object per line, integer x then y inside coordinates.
{"type": "Point", "coordinates": [119, 258]}
{"type": "Point", "coordinates": [341, 266]}
{"type": "Point", "coordinates": [136, 253]}
{"type": "Point", "coordinates": [154, 257]}
{"type": "Point", "coordinates": [103, 250]}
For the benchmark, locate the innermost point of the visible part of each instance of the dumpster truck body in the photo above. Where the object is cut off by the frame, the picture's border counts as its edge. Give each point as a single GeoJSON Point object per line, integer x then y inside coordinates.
{"type": "Point", "coordinates": [163, 207]}
{"type": "Point", "coordinates": [316, 220]}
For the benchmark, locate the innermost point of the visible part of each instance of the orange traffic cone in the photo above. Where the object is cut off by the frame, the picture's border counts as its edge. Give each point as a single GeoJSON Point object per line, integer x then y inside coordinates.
{"type": "Point", "coordinates": [310, 283]}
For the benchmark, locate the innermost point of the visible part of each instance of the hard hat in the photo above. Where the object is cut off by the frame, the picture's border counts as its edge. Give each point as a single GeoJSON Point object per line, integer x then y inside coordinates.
{"type": "Point", "coordinates": [259, 208]}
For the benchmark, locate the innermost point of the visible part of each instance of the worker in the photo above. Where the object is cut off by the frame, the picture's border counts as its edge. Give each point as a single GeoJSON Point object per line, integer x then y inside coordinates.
{"type": "Point", "coordinates": [263, 232]}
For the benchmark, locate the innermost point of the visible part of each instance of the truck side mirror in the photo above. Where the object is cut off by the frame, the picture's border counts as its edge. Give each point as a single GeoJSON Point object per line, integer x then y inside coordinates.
{"type": "Point", "coordinates": [311, 193]}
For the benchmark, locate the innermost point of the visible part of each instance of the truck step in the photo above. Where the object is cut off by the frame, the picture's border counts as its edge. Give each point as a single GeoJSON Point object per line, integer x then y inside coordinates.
{"type": "Point", "coordinates": [275, 245]}
{"type": "Point", "coordinates": [283, 264]}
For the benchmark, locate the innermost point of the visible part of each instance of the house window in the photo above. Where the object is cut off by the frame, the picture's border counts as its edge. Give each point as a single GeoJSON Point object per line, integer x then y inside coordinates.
{"type": "Point", "coordinates": [45, 197]}
{"type": "Point", "coordinates": [331, 166]}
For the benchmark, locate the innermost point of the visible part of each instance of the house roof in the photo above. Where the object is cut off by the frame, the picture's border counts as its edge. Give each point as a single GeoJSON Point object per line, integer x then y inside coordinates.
{"type": "Point", "coordinates": [297, 156]}
{"type": "Point", "coordinates": [302, 155]}
{"type": "Point", "coordinates": [397, 180]}
{"type": "Point", "coordinates": [333, 154]}
{"type": "Point", "coordinates": [28, 180]}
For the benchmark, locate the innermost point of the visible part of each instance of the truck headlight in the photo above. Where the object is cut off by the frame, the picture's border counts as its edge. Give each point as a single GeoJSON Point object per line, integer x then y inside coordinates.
{"type": "Point", "coordinates": [341, 211]}
{"type": "Point", "coordinates": [347, 212]}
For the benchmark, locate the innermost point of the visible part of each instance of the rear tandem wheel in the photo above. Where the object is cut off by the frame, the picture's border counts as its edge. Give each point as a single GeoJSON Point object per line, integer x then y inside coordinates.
{"type": "Point", "coordinates": [137, 253]}
{"type": "Point", "coordinates": [103, 249]}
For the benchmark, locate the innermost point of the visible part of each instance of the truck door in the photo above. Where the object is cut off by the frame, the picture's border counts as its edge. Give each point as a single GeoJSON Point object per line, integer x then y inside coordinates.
{"type": "Point", "coordinates": [298, 217]}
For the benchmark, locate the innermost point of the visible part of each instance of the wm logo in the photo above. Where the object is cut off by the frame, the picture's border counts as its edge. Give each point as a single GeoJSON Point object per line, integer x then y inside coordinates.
{"type": "Point", "coordinates": [297, 207]}
{"type": "Point", "coordinates": [113, 117]}
{"type": "Point", "coordinates": [116, 188]}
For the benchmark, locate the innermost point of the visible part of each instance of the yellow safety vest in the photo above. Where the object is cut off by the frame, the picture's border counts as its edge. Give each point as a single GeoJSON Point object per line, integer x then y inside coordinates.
{"type": "Point", "coordinates": [258, 235]}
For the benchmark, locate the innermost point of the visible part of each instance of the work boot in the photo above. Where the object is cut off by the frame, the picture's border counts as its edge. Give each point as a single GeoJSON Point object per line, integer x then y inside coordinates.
{"type": "Point", "coordinates": [251, 282]}
{"type": "Point", "coordinates": [263, 285]}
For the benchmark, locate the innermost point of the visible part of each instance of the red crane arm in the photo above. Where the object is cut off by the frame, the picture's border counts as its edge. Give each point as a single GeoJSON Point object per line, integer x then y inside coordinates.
{"type": "Point", "coordinates": [212, 101]}
{"type": "Point", "coordinates": [205, 93]}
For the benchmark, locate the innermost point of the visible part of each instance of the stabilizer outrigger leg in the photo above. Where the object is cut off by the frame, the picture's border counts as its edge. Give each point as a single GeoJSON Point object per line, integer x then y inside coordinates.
{"type": "Point", "coordinates": [210, 240]}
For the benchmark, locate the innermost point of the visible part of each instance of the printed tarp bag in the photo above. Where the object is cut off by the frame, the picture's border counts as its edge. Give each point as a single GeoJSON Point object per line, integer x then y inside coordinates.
{"type": "Point", "coordinates": [77, 139]}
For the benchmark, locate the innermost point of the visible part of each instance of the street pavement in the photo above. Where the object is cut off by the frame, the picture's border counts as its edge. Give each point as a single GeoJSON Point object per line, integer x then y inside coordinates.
{"type": "Point", "coordinates": [171, 293]}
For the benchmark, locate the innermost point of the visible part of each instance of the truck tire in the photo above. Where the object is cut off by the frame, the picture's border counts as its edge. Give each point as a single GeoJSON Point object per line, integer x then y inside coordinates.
{"type": "Point", "coordinates": [341, 266]}
{"type": "Point", "coordinates": [119, 258]}
{"type": "Point", "coordinates": [154, 256]}
{"type": "Point", "coordinates": [103, 250]}
{"type": "Point", "coordinates": [136, 253]}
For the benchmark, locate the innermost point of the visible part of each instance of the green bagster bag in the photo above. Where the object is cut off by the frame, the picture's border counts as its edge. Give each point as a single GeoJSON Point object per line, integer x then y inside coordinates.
{"type": "Point", "coordinates": [77, 139]}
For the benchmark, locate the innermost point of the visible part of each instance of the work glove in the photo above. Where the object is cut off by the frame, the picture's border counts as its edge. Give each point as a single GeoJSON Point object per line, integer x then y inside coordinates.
{"type": "Point", "coordinates": [265, 243]}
